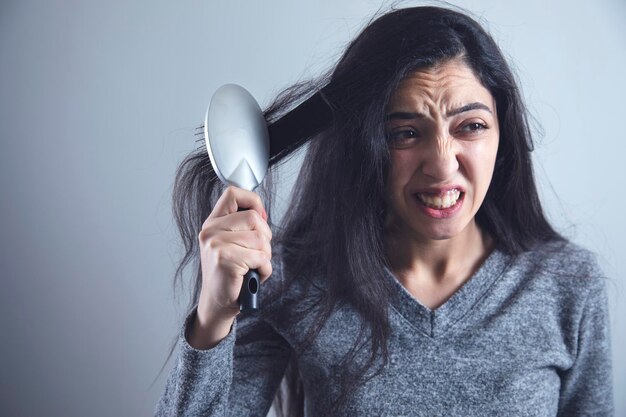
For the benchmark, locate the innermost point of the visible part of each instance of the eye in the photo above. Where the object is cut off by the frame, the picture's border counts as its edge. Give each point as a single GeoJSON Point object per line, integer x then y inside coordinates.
{"type": "Point", "coordinates": [401, 138]}
{"type": "Point", "coordinates": [473, 127]}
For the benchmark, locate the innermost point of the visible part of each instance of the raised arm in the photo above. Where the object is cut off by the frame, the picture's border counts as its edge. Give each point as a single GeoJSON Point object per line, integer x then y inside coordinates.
{"type": "Point", "coordinates": [237, 377]}
{"type": "Point", "coordinates": [229, 363]}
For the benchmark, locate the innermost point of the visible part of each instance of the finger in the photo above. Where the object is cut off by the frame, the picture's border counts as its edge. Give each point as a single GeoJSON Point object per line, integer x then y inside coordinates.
{"type": "Point", "coordinates": [240, 260]}
{"type": "Point", "coordinates": [249, 239]}
{"type": "Point", "coordinates": [244, 221]}
{"type": "Point", "coordinates": [265, 271]}
{"type": "Point", "coordinates": [234, 199]}
{"type": "Point", "coordinates": [240, 221]}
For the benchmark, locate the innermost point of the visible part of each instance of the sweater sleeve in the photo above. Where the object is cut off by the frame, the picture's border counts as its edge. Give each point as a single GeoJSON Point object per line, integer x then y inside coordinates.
{"type": "Point", "coordinates": [586, 388]}
{"type": "Point", "coordinates": [237, 377]}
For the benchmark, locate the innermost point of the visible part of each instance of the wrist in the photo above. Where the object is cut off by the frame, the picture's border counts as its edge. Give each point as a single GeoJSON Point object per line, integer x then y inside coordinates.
{"type": "Point", "coordinates": [207, 316]}
{"type": "Point", "coordinates": [207, 332]}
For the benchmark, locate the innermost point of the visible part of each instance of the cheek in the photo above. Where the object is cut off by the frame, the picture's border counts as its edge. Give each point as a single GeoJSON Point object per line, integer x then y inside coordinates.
{"type": "Point", "coordinates": [480, 158]}
{"type": "Point", "coordinates": [401, 170]}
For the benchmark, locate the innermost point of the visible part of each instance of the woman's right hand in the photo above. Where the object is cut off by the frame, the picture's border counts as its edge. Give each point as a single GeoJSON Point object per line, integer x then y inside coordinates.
{"type": "Point", "coordinates": [231, 243]}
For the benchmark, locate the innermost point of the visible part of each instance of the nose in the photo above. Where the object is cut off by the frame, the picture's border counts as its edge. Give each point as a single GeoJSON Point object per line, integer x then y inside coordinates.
{"type": "Point", "coordinates": [440, 159]}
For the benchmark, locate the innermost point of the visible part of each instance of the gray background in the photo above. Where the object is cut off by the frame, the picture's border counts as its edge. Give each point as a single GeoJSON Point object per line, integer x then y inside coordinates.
{"type": "Point", "coordinates": [98, 105]}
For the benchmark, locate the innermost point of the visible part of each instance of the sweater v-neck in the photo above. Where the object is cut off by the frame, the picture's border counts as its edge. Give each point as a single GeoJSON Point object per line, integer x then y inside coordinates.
{"type": "Point", "coordinates": [434, 323]}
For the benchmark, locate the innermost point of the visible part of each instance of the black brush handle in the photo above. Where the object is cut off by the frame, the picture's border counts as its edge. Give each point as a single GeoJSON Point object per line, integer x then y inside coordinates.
{"type": "Point", "coordinates": [248, 297]}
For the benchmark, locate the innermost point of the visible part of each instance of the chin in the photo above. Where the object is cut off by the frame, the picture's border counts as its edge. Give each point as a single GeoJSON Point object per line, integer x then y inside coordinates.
{"type": "Point", "coordinates": [442, 237]}
{"type": "Point", "coordinates": [439, 233]}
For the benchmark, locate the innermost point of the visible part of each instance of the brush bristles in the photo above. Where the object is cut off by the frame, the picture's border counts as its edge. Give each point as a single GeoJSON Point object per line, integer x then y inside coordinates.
{"type": "Point", "coordinates": [200, 140]}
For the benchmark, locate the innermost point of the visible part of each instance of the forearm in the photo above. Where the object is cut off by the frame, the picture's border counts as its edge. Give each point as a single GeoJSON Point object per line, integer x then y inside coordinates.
{"type": "Point", "coordinates": [200, 381]}
{"type": "Point", "coordinates": [228, 379]}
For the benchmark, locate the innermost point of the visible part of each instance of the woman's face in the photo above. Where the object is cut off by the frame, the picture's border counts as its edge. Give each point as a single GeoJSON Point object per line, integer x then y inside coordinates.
{"type": "Point", "coordinates": [443, 137]}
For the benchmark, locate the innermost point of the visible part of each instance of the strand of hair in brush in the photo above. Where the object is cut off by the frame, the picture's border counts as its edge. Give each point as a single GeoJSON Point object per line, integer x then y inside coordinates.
{"type": "Point", "coordinates": [306, 120]}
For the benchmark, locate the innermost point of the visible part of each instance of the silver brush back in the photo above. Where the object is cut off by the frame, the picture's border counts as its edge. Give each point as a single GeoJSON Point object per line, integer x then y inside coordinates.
{"type": "Point", "coordinates": [236, 137]}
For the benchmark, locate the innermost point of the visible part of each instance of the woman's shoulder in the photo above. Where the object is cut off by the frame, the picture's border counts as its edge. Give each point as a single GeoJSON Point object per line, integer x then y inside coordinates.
{"type": "Point", "coordinates": [566, 255]}
{"type": "Point", "coordinates": [285, 287]}
{"type": "Point", "coordinates": [288, 300]}
{"type": "Point", "coordinates": [563, 264]}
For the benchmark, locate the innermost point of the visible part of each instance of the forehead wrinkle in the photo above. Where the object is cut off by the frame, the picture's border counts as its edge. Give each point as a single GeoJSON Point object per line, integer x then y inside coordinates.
{"type": "Point", "coordinates": [429, 91]}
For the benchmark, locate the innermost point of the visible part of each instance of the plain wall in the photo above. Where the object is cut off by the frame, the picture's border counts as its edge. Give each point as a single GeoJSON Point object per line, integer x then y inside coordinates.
{"type": "Point", "coordinates": [99, 102]}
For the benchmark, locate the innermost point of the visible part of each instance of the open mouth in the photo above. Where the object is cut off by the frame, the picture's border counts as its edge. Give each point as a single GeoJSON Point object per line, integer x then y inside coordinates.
{"type": "Point", "coordinates": [440, 201]}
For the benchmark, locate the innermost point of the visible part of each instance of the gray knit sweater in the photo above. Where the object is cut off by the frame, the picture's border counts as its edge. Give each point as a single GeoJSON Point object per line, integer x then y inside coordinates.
{"type": "Point", "coordinates": [525, 336]}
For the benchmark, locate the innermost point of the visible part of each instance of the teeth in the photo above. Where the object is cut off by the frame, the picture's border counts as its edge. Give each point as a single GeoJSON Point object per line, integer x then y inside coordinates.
{"type": "Point", "coordinates": [442, 201]}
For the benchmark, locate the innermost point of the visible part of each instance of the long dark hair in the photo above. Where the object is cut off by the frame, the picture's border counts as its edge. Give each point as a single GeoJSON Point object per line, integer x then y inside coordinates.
{"type": "Point", "coordinates": [334, 227]}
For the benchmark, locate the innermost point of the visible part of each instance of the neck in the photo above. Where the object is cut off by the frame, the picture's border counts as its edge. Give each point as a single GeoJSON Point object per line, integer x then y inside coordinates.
{"type": "Point", "coordinates": [438, 261]}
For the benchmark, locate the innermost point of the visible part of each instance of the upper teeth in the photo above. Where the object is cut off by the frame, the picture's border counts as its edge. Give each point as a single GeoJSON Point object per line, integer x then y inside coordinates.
{"type": "Point", "coordinates": [441, 201]}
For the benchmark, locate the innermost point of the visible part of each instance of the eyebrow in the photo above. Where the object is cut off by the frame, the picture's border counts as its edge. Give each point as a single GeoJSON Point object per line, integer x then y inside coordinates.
{"type": "Point", "coordinates": [414, 115]}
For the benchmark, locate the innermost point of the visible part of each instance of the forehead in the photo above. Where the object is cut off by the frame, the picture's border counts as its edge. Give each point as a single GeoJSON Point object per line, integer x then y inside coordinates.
{"type": "Point", "coordinates": [451, 83]}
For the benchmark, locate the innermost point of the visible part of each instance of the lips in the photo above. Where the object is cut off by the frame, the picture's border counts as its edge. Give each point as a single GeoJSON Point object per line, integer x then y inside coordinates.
{"type": "Point", "coordinates": [440, 198]}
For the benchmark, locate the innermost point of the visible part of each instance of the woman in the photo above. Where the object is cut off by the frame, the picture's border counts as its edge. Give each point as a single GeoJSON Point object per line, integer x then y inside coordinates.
{"type": "Point", "coordinates": [415, 272]}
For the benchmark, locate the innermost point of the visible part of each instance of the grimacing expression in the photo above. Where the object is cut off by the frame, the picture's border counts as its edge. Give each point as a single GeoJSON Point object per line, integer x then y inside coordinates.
{"type": "Point", "coordinates": [442, 130]}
